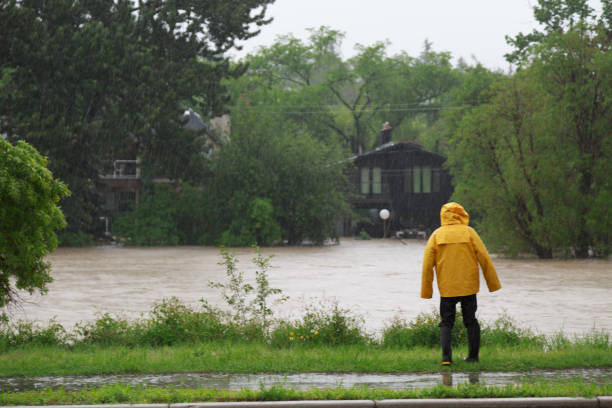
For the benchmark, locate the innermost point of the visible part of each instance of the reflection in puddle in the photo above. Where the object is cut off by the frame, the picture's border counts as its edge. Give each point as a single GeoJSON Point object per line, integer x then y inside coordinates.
{"type": "Point", "coordinates": [472, 378]}
{"type": "Point", "coordinates": [304, 381]}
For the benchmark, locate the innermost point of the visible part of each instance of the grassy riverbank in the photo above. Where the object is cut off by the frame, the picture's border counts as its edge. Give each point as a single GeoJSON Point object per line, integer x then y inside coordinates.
{"type": "Point", "coordinates": [260, 358]}
{"type": "Point", "coordinates": [175, 338]}
{"type": "Point", "coordinates": [126, 394]}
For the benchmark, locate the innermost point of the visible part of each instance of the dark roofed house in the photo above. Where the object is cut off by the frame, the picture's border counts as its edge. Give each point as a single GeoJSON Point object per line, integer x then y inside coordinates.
{"type": "Point", "coordinates": [403, 178]}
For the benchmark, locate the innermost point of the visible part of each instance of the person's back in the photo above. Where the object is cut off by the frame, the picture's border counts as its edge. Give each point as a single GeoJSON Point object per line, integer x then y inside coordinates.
{"type": "Point", "coordinates": [455, 250]}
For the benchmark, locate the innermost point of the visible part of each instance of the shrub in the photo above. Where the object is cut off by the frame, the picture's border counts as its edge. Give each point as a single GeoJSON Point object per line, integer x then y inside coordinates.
{"type": "Point", "coordinates": [24, 333]}
{"type": "Point", "coordinates": [423, 331]}
{"type": "Point", "coordinates": [107, 330]}
{"type": "Point", "coordinates": [321, 325]}
{"type": "Point", "coordinates": [256, 227]}
{"type": "Point", "coordinates": [166, 215]}
{"type": "Point", "coordinates": [74, 239]}
{"type": "Point", "coordinates": [504, 331]}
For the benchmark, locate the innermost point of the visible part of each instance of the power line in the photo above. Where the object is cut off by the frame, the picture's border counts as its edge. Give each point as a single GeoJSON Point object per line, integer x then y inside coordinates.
{"type": "Point", "coordinates": [340, 109]}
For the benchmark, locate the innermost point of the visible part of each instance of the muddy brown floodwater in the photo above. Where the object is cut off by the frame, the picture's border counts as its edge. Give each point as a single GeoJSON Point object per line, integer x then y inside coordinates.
{"type": "Point", "coordinates": [376, 279]}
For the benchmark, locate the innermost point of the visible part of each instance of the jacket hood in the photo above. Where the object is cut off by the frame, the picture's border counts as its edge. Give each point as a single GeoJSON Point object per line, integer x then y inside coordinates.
{"type": "Point", "coordinates": [453, 213]}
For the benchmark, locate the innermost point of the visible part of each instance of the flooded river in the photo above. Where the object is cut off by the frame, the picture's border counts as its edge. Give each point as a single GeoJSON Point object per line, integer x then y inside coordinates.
{"type": "Point", "coordinates": [376, 279]}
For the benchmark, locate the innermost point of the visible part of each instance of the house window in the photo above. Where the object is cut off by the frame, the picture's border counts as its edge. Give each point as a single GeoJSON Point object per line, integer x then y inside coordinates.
{"type": "Point", "coordinates": [426, 173]}
{"type": "Point", "coordinates": [435, 180]}
{"type": "Point", "coordinates": [422, 179]}
{"type": "Point", "coordinates": [416, 179]}
{"type": "Point", "coordinates": [408, 180]}
{"type": "Point", "coordinates": [376, 180]}
{"type": "Point", "coordinates": [371, 180]}
{"type": "Point", "coordinates": [365, 180]}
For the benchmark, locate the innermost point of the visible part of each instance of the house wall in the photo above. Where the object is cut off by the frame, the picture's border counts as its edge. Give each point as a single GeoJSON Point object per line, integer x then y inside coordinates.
{"type": "Point", "coordinates": [405, 179]}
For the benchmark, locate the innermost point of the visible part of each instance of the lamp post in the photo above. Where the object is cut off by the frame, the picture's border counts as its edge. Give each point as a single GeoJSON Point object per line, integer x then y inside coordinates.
{"type": "Point", "coordinates": [384, 215]}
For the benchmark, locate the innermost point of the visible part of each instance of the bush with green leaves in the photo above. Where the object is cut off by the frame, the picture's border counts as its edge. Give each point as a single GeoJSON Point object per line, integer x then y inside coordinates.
{"type": "Point", "coordinates": [25, 333]}
{"type": "Point", "coordinates": [256, 227]}
{"type": "Point", "coordinates": [425, 332]}
{"type": "Point", "coordinates": [278, 163]}
{"type": "Point", "coordinates": [165, 215]}
{"type": "Point", "coordinates": [322, 324]}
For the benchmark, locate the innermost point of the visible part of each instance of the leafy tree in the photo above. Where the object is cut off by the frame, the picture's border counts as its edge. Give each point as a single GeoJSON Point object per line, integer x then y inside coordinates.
{"type": "Point", "coordinates": [572, 59]}
{"type": "Point", "coordinates": [29, 217]}
{"type": "Point", "coordinates": [340, 100]}
{"type": "Point", "coordinates": [104, 80]}
{"type": "Point", "coordinates": [473, 88]}
{"type": "Point", "coordinates": [502, 166]}
{"type": "Point", "coordinates": [275, 173]}
{"type": "Point", "coordinates": [535, 161]}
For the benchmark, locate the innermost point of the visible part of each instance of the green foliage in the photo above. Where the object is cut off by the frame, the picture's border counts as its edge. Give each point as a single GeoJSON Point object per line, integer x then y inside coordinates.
{"type": "Point", "coordinates": [271, 174]}
{"type": "Point", "coordinates": [322, 324]}
{"type": "Point", "coordinates": [81, 82]}
{"type": "Point", "coordinates": [30, 215]}
{"type": "Point", "coordinates": [344, 101]}
{"type": "Point", "coordinates": [363, 235]}
{"type": "Point", "coordinates": [261, 304]}
{"type": "Point", "coordinates": [534, 161]}
{"type": "Point", "coordinates": [28, 334]}
{"type": "Point", "coordinates": [424, 332]}
{"type": "Point", "coordinates": [237, 293]}
{"type": "Point", "coordinates": [169, 322]}
{"type": "Point", "coordinates": [256, 227]}
{"type": "Point", "coordinates": [165, 215]}
{"type": "Point", "coordinates": [153, 221]}
{"type": "Point", "coordinates": [74, 239]}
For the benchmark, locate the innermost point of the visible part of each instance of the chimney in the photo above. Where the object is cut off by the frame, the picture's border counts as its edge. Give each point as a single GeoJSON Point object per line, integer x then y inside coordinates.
{"type": "Point", "coordinates": [385, 133]}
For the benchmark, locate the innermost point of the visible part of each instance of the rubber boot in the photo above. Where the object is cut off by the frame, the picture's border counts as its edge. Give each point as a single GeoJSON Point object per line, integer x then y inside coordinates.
{"type": "Point", "coordinates": [473, 343]}
{"type": "Point", "coordinates": [445, 342]}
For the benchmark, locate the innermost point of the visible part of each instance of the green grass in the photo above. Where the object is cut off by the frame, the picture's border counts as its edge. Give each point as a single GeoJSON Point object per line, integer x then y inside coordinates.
{"type": "Point", "coordinates": [123, 394]}
{"type": "Point", "coordinates": [261, 358]}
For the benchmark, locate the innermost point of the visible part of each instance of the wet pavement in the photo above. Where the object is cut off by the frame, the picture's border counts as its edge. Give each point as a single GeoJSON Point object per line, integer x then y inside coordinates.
{"type": "Point", "coordinates": [306, 381]}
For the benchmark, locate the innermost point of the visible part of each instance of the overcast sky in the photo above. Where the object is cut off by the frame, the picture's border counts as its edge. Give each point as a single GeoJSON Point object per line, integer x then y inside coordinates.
{"type": "Point", "coordinates": [465, 28]}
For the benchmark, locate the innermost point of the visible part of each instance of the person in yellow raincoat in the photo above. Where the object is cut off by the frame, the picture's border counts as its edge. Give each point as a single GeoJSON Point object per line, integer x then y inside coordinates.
{"type": "Point", "coordinates": [455, 250]}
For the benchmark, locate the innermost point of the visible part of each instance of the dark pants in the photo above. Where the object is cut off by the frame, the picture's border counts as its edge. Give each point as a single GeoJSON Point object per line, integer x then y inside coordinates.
{"type": "Point", "coordinates": [468, 309]}
{"type": "Point", "coordinates": [448, 306]}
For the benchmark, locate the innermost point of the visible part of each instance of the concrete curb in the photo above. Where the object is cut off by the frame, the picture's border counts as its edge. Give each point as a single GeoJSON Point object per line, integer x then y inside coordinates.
{"type": "Point", "coordinates": [597, 402]}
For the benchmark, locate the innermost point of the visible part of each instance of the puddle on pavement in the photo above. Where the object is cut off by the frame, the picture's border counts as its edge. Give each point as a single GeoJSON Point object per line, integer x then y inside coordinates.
{"type": "Point", "coordinates": [304, 381]}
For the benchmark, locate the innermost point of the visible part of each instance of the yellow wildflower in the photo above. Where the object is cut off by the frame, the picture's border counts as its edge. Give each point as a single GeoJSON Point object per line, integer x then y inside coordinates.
{"type": "Point", "coordinates": [291, 338]}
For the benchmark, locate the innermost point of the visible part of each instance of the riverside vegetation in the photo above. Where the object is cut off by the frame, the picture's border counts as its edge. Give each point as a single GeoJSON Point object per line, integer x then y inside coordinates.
{"type": "Point", "coordinates": [245, 338]}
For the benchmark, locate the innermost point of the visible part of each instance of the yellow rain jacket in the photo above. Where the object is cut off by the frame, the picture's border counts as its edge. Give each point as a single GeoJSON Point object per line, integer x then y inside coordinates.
{"type": "Point", "coordinates": [455, 250]}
